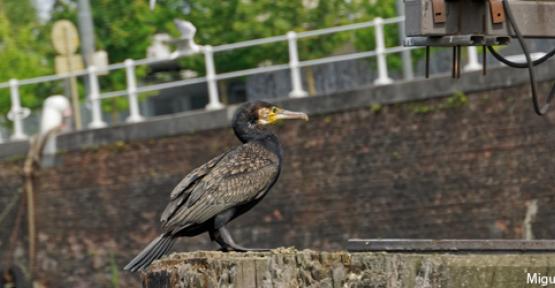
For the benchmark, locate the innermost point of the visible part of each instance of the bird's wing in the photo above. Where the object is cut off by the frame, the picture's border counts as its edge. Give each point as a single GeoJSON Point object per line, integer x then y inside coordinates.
{"type": "Point", "coordinates": [182, 191]}
{"type": "Point", "coordinates": [239, 177]}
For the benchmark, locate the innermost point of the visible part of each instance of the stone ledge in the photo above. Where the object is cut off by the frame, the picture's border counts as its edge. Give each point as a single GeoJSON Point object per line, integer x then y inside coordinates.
{"type": "Point", "coordinates": [286, 267]}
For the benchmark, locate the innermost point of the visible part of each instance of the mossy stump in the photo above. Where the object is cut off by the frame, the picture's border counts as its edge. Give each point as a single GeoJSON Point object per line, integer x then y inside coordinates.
{"type": "Point", "coordinates": [293, 268]}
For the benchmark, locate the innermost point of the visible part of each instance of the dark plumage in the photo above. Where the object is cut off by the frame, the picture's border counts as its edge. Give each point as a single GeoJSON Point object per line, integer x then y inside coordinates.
{"type": "Point", "coordinates": [224, 187]}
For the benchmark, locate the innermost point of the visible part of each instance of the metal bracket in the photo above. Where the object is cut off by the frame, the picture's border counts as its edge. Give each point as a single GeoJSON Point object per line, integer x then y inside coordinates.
{"type": "Point", "coordinates": [456, 40]}
{"type": "Point", "coordinates": [438, 8]}
{"type": "Point", "coordinates": [497, 11]}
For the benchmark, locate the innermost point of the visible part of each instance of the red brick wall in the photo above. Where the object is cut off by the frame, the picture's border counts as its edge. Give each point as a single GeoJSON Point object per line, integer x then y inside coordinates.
{"type": "Point", "coordinates": [441, 168]}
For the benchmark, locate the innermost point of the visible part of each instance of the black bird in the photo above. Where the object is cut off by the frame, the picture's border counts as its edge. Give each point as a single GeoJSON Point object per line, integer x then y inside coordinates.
{"type": "Point", "coordinates": [225, 187]}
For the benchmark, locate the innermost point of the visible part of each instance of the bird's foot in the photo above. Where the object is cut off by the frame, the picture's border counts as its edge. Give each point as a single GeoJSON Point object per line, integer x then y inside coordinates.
{"type": "Point", "coordinates": [239, 248]}
{"type": "Point", "coordinates": [222, 237]}
{"type": "Point", "coordinates": [244, 249]}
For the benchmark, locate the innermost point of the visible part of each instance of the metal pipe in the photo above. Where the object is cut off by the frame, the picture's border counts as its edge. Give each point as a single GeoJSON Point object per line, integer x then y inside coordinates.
{"type": "Point", "coordinates": [86, 29]}
{"type": "Point", "coordinates": [213, 97]}
{"type": "Point", "coordinates": [408, 73]}
{"type": "Point", "coordinates": [223, 47]}
{"type": "Point", "coordinates": [427, 60]}
{"type": "Point", "coordinates": [337, 58]}
{"type": "Point", "coordinates": [383, 78]}
{"type": "Point", "coordinates": [296, 82]}
{"type": "Point", "coordinates": [459, 49]}
{"type": "Point", "coordinates": [454, 63]}
{"type": "Point", "coordinates": [473, 63]}
{"type": "Point", "coordinates": [94, 97]}
{"type": "Point", "coordinates": [16, 112]}
{"type": "Point", "coordinates": [484, 60]}
{"type": "Point", "coordinates": [134, 112]}
{"type": "Point", "coordinates": [294, 65]}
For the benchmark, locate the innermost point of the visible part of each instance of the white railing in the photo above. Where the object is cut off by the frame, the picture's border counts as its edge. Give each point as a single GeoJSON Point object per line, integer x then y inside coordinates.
{"type": "Point", "coordinates": [95, 96]}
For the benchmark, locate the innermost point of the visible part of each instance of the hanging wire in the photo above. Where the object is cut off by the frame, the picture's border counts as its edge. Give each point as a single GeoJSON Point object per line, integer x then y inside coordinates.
{"type": "Point", "coordinates": [520, 64]}
{"type": "Point", "coordinates": [539, 109]}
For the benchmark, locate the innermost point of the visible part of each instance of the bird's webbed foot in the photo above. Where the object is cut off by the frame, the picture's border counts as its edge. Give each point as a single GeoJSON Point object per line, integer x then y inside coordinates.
{"type": "Point", "coordinates": [226, 242]}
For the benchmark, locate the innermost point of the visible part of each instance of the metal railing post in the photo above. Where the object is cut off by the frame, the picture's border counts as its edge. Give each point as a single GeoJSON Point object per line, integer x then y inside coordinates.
{"type": "Point", "coordinates": [473, 64]}
{"type": "Point", "coordinates": [213, 97]}
{"type": "Point", "coordinates": [134, 112]}
{"type": "Point", "coordinates": [296, 82]}
{"type": "Point", "coordinates": [16, 112]}
{"type": "Point", "coordinates": [408, 72]}
{"type": "Point", "coordinates": [94, 97]}
{"type": "Point", "coordinates": [383, 78]}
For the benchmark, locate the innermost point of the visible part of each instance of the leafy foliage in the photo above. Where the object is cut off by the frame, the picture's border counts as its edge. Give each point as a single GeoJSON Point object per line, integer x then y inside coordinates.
{"type": "Point", "coordinates": [23, 53]}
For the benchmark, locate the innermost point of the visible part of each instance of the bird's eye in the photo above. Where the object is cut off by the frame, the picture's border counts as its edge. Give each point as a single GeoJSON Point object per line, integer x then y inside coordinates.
{"type": "Point", "coordinates": [274, 109]}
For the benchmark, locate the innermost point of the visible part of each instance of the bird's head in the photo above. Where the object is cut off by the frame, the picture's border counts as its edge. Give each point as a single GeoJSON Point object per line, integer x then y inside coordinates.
{"type": "Point", "coordinates": [262, 113]}
{"type": "Point", "coordinates": [251, 118]}
{"type": "Point", "coordinates": [55, 112]}
{"type": "Point", "coordinates": [59, 104]}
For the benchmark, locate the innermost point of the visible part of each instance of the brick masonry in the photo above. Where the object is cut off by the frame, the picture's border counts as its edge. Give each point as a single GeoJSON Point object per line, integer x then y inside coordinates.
{"type": "Point", "coordinates": [461, 166]}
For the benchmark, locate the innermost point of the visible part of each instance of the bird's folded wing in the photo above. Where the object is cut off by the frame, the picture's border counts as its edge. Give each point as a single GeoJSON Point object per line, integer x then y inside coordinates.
{"type": "Point", "coordinates": [238, 178]}
{"type": "Point", "coordinates": [183, 189]}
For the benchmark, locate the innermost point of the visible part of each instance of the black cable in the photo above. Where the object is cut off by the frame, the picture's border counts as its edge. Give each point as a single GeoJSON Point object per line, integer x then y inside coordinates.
{"type": "Point", "coordinates": [545, 107]}
{"type": "Point", "coordinates": [520, 64]}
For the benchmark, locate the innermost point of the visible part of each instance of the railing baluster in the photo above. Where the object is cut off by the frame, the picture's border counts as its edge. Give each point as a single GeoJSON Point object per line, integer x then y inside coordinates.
{"type": "Point", "coordinates": [473, 64]}
{"type": "Point", "coordinates": [94, 97]}
{"type": "Point", "coordinates": [213, 97]}
{"type": "Point", "coordinates": [383, 78]}
{"type": "Point", "coordinates": [296, 82]}
{"type": "Point", "coordinates": [134, 112]}
{"type": "Point", "coordinates": [16, 112]}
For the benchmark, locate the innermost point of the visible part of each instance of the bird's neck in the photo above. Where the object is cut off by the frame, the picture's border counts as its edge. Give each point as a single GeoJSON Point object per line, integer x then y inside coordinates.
{"type": "Point", "coordinates": [247, 132]}
{"type": "Point", "coordinates": [51, 118]}
{"type": "Point", "coordinates": [261, 136]}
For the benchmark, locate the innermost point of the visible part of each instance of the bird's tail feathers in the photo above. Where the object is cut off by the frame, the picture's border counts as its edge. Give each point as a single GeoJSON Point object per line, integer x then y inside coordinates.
{"type": "Point", "coordinates": [153, 251]}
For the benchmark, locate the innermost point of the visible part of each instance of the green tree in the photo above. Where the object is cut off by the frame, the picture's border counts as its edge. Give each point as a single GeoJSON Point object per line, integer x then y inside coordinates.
{"type": "Point", "coordinates": [125, 28]}
{"type": "Point", "coordinates": [23, 53]}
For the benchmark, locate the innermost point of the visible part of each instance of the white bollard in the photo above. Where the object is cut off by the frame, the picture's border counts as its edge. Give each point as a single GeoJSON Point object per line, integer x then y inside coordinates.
{"type": "Point", "coordinates": [94, 97]}
{"type": "Point", "coordinates": [296, 82]}
{"type": "Point", "coordinates": [383, 78]}
{"type": "Point", "coordinates": [473, 64]}
{"type": "Point", "coordinates": [213, 97]}
{"type": "Point", "coordinates": [16, 112]}
{"type": "Point", "coordinates": [134, 112]}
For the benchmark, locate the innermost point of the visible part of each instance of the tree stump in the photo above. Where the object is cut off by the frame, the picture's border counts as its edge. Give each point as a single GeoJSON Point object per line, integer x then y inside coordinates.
{"type": "Point", "coordinates": [285, 267]}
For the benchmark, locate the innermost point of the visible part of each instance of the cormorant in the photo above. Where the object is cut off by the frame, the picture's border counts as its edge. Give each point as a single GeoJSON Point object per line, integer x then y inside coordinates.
{"type": "Point", "coordinates": [225, 187]}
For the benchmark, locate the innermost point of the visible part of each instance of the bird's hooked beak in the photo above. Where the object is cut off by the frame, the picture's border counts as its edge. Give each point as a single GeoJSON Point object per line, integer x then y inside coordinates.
{"type": "Point", "coordinates": [283, 114]}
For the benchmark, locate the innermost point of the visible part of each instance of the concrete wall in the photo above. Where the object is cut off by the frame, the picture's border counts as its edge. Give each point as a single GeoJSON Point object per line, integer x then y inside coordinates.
{"type": "Point", "coordinates": [415, 159]}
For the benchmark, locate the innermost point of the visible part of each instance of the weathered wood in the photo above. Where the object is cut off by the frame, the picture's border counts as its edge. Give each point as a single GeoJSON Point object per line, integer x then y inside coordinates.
{"type": "Point", "coordinates": [292, 268]}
